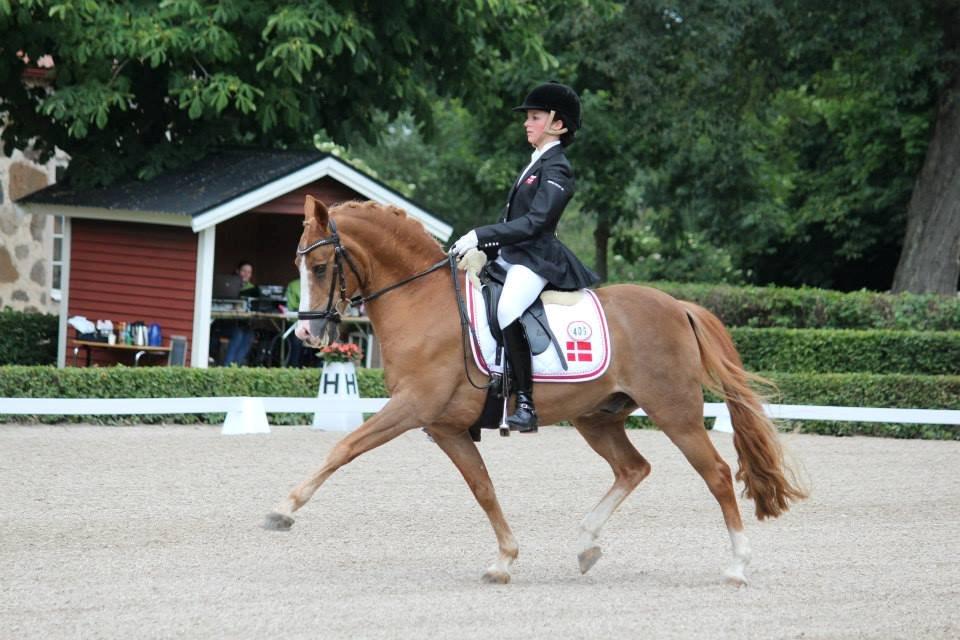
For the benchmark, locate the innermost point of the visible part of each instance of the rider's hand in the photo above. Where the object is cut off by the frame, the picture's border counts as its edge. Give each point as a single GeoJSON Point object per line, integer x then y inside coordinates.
{"type": "Point", "coordinates": [464, 244]}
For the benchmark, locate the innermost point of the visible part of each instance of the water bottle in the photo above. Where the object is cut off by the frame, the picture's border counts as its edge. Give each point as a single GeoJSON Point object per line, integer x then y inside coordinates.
{"type": "Point", "coordinates": [155, 337]}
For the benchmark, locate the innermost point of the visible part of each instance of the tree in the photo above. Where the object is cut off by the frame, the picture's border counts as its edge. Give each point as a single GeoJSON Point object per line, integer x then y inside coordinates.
{"type": "Point", "coordinates": [652, 79]}
{"type": "Point", "coordinates": [930, 261]}
{"type": "Point", "coordinates": [149, 86]}
{"type": "Point", "coordinates": [448, 170]}
{"type": "Point", "coordinates": [787, 135]}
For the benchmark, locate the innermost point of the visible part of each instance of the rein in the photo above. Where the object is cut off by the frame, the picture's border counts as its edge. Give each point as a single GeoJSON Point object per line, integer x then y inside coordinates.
{"type": "Point", "coordinates": [333, 314]}
{"type": "Point", "coordinates": [465, 326]}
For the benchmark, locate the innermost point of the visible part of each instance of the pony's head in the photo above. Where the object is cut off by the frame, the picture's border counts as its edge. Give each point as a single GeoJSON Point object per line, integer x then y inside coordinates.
{"type": "Point", "coordinates": [329, 275]}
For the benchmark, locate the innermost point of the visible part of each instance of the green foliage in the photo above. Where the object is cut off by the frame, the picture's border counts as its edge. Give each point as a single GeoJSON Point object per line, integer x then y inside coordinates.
{"type": "Point", "coordinates": [441, 166]}
{"type": "Point", "coordinates": [169, 382]}
{"type": "Point", "coordinates": [774, 142]}
{"type": "Point", "coordinates": [870, 390]}
{"type": "Point", "coordinates": [152, 85]}
{"type": "Point", "coordinates": [847, 351]}
{"type": "Point", "coordinates": [850, 389]}
{"type": "Point", "coordinates": [639, 253]}
{"type": "Point", "coordinates": [820, 308]}
{"type": "Point", "coordinates": [27, 338]}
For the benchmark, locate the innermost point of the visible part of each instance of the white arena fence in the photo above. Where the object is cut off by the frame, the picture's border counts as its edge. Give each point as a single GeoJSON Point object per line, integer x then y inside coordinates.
{"type": "Point", "coordinates": [249, 414]}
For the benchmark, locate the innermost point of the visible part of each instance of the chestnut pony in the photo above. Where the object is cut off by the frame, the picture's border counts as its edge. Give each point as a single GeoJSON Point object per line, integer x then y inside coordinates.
{"type": "Point", "coordinates": [664, 352]}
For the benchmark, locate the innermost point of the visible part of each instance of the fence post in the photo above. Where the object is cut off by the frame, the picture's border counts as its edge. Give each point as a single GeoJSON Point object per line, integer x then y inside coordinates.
{"type": "Point", "coordinates": [723, 424]}
{"type": "Point", "coordinates": [248, 416]}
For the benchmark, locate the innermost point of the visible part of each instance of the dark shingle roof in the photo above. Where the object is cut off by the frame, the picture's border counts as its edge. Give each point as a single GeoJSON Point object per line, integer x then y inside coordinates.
{"type": "Point", "coordinates": [217, 178]}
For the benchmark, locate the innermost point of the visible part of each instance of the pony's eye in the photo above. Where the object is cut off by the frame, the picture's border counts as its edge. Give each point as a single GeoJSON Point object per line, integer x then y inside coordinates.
{"type": "Point", "coordinates": [319, 270]}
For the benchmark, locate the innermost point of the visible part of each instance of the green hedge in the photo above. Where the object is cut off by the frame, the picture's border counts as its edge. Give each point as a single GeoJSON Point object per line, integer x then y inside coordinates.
{"type": "Point", "coordinates": [862, 390]}
{"type": "Point", "coordinates": [839, 389]}
{"type": "Point", "coordinates": [867, 390]}
{"type": "Point", "coordinates": [162, 382]}
{"type": "Point", "coordinates": [168, 382]}
{"type": "Point", "coordinates": [819, 308]}
{"type": "Point", "coordinates": [849, 351]}
{"type": "Point", "coordinates": [27, 338]}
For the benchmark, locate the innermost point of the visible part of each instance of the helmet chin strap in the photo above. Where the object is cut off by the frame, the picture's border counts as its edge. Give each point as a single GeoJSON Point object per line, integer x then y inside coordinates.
{"type": "Point", "coordinates": [549, 130]}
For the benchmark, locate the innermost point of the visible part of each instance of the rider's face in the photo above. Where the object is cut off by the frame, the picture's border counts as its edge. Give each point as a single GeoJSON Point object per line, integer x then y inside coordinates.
{"type": "Point", "coordinates": [535, 124]}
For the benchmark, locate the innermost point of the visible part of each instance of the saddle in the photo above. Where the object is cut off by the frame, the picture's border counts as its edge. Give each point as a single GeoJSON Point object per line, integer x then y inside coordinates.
{"type": "Point", "coordinates": [539, 336]}
{"type": "Point", "coordinates": [534, 319]}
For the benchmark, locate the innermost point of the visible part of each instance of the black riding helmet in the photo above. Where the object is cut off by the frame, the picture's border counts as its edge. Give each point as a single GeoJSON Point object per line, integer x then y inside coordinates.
{"type": "Point", "coordinates": [553, 96]}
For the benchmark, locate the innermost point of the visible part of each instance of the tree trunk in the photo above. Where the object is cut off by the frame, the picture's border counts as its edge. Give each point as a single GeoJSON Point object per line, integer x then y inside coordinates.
{"type": "Point", "coordinates": [930, 259]}
{"type": "Point", "coordinates": [601, 238]}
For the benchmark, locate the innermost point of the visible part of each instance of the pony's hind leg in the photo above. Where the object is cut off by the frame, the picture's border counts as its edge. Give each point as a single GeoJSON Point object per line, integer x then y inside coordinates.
{"type": "Point", "coordinates": [606, 435]}
{"type": "Point", "coordinates": [693, 441]}
{"type": "Point", "coordinates": [464, 454]}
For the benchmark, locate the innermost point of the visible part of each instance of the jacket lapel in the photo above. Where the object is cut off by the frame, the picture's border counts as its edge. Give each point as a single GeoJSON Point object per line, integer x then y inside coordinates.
{"type": "Point", "coordinates": [549, 153]}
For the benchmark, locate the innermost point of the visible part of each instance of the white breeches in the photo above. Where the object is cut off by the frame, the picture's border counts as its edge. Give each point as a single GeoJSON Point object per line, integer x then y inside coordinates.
{"type": "Point", "coordinates": [520, 289]}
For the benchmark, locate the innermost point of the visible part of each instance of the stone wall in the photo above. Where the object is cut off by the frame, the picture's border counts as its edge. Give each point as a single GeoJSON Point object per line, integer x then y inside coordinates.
{"type": "Point", "coordinates": [26, 244]}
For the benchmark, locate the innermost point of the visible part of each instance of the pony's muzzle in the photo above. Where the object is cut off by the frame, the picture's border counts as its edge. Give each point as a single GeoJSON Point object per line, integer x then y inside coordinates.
{"type": "Point", "coordinates": [315, 333]}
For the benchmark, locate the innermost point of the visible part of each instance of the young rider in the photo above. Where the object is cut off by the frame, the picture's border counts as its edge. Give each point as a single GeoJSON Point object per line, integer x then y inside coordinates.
{"type": "Point", "coordinates": [524, 241]}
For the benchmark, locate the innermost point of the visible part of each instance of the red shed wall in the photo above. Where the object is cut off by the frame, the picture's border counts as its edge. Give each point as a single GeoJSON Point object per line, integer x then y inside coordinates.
{"type": "Point", "coordinates": [126, 272]}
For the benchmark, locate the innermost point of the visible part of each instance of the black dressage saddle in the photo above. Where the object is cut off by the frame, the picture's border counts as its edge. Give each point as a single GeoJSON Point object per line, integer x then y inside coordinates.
{"type": "Point", "coordinates": [533, 320]}
{"type": "Point", "coordinates": [537, 330]}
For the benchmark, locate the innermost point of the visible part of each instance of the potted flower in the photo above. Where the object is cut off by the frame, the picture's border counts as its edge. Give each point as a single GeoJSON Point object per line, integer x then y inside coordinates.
{"type": "Point", "coordinates": [341, 352]}
{"type": "Point", "coordinates": [338, 382]}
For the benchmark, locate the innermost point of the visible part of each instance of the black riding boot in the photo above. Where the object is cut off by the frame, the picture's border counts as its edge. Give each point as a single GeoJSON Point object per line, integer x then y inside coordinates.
{"type": "Point", "coordinates": [524, 419]}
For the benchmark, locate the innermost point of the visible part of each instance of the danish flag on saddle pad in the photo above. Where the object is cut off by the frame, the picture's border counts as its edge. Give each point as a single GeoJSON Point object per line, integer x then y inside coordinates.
{"type": "Point", "coordinates": [578, 351]}
{"type": "Point", "coordinates": [580, 328]}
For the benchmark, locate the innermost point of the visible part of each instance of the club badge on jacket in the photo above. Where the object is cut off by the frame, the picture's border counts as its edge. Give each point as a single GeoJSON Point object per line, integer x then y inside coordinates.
{"type": "Point", "coordinates": [530, 180]}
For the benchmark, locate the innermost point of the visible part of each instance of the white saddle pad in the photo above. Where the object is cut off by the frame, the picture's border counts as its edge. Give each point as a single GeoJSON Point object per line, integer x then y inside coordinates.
{"type": "Point", "coordinates": [580, 328]}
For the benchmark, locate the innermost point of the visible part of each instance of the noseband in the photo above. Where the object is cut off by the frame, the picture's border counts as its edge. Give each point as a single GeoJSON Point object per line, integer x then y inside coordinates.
{"type": "Point", "coordinates": [340, 254]}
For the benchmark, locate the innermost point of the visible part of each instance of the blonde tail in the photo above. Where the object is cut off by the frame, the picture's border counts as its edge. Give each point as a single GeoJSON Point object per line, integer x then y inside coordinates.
{"type": "Point", "coordinates": [769, 482]}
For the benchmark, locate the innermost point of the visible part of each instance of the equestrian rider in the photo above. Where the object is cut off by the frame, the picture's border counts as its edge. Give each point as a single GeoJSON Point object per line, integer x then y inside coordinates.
{"type": "Point", "coordinates": [524, 241]}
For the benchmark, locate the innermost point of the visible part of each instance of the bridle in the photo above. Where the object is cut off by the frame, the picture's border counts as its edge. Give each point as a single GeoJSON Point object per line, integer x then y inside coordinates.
{"type": "Point", "coordinates": [335, 309]}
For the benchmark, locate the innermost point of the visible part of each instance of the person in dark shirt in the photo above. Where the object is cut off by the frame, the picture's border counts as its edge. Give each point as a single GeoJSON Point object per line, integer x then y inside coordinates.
{"type": "Point", "coordinates": [241, 338]}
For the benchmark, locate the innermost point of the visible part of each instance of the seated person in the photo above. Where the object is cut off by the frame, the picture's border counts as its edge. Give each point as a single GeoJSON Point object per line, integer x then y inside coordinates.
{"type": "Point", "coordinates": [241, 338]}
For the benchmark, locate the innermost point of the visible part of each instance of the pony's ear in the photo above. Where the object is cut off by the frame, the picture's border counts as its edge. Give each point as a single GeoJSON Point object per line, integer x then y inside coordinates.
{"type": "Point", "coordinates": [313, 209]}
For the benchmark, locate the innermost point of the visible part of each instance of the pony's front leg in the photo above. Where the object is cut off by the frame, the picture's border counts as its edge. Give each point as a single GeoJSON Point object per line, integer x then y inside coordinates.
{"type": "Point", "coordinates": [395, 418]}
{"type": "Point", "coordinates": [464, 454]}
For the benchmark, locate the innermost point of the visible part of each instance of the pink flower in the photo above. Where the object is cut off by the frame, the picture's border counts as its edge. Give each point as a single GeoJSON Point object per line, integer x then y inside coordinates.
{"type": "Point", "coordinates": [341, 352]}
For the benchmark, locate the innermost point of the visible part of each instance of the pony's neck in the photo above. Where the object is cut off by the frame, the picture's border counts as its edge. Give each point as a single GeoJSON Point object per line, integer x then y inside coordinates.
{"type": "Point", "coordinates": [391, 248]}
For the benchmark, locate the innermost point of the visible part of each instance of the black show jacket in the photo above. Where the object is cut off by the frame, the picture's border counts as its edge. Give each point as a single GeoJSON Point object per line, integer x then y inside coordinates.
{"type": "Point", "coordinates": [526, 233]}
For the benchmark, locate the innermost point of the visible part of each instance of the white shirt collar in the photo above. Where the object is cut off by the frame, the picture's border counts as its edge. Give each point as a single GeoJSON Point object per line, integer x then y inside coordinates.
{"type": "Point", "coordinates": [536, 156]}
{"type": "Point", "coordinates": [542, 150]}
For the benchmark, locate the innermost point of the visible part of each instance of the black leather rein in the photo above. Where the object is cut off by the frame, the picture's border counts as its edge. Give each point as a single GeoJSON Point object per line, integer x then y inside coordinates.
{"type": "Point", "coordinates": [331, 313]}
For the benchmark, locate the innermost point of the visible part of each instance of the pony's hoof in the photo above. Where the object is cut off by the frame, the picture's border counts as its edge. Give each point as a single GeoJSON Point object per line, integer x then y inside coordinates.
{"type": "Point", "coordinates": [588, 558]}
{"type": "Point", "coordinates": [492, 576]}
{"type": "Point", "coordinates": [277, 522]}
{"type": "Point", "coordinates": [735, 578]}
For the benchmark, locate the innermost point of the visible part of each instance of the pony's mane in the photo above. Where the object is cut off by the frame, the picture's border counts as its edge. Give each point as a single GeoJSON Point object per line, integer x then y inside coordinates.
{"type": "Point", "coordinates": [393, 224]}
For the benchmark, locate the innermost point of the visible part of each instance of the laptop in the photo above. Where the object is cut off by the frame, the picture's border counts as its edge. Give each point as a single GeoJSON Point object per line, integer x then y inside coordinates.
{"type": "Point", "coordinates": [226, 286]}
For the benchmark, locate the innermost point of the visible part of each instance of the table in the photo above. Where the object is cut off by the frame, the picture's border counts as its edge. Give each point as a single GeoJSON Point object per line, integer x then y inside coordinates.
{"type": "Point", "coordinates": [140, 350]}
{"type": "Point", "coordinates": [280, 322]}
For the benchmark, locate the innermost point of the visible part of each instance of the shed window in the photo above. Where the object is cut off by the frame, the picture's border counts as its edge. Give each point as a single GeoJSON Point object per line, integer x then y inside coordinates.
{"type": "Point", "coordinates": [56, 262]}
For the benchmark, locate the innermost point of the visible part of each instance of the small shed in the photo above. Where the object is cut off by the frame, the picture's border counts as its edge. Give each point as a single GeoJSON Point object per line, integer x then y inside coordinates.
{"type": "Point", "coordinates": [148, 250]}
